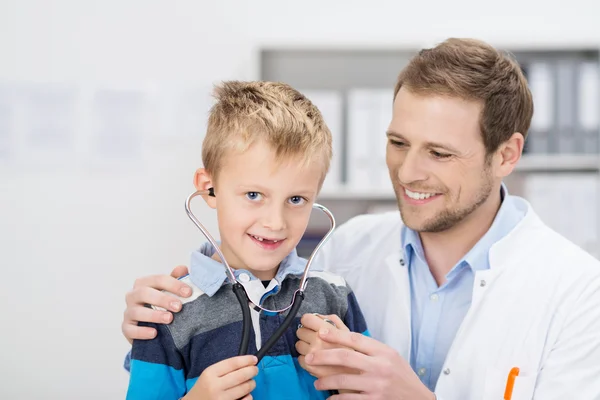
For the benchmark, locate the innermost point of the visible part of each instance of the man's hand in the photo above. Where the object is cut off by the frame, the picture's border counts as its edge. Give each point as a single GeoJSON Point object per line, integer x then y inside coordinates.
{"type": "Point", "coordinates": [309, 342]}
{"type": "Point", "coordinates": [230, 379]}
{"type": "Point", "coordinates": [148, 290]}
{"type": "Point", "coordinates": [383, 374]}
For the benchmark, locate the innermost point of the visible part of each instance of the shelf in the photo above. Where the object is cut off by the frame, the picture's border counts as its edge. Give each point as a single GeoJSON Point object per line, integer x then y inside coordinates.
{"type": "Point", "coordinates": [549, 163]}
{"type": "Point", "coordinates": [559, 163]}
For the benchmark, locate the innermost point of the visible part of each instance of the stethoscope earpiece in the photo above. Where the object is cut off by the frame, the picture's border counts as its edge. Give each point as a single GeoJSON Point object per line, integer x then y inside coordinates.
{"type": "Point", "coordinates": [211, 192]}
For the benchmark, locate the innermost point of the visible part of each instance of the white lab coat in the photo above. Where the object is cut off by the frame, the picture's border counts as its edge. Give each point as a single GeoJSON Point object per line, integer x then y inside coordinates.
{"type": "Point", "coordinates": [537, 308]}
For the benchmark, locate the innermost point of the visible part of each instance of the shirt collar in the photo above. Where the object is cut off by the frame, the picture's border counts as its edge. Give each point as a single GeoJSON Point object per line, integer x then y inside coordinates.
{"type": "Point", "coordinates": [209, 275]}
{"type": "Point", "coordinates": [477, 258]}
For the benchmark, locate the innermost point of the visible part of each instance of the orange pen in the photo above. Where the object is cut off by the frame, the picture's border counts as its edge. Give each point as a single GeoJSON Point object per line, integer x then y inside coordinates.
{"type": "Point", "coordinates": [510, 383]}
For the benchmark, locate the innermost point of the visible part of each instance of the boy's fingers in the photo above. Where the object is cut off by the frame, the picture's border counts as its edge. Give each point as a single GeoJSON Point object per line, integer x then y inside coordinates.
{"type": "Point", "coordinates": [238, 377]}
{"type": "Point", "coordinates": [336, 320]}
{"type": "Point", "coordinates": [302, 347]}
{"type": "Point", "coordinates": [311, 321]}
{"type": "Point", "coordinates": [306, 335]}
{"type": "Point", "coordinates": [224, 367]}
{"type": "Point", "coordinates": [179, 271]}
{"type": "Point", "coordinates": [239, 391]}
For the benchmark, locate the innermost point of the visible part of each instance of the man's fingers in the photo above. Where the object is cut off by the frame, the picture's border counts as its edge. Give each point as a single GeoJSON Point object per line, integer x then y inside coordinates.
{"type": "Point", "coordinates": [356, 341]}
{"type": "Point", "coordinates": [239, 391]}
{"type": "Point", "coordinates": [148, 295]}
{"type": "Point", "coordinates": [224, 367]}
{"type": "Point", "coordinates": [359, 383]}
{"type": "Point", "coordinates": [135, 314]}
{"type": "Point", "coordinates": [348, 396]}
{"type": "Point", "coordinates": [132, 332]}
{"type": "Point", "coordinates": [179, 271]}
{"type": "Point", "coordinates": [342, 358]}
{"type": "Point", "coordinates": [163, 282]}
{"type": "Point", "coordinates": [306, 335]}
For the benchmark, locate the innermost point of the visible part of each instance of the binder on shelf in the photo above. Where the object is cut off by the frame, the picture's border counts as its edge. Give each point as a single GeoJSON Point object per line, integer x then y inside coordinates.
{"type": "Point", "coordinates": [588, 121]}
{"type": "Point", "coordinates": [541, 84]}
{"type": "Point", "coordinates": [330, 103]}
{"type": "Point", "coordinates": [369, 115]}
{"type": "Point", "coordinates": [565, 135]}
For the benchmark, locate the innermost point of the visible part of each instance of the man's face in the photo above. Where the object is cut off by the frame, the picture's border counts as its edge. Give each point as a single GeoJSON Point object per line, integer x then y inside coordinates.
{"type": "Point", "coordinates": [437, 160]}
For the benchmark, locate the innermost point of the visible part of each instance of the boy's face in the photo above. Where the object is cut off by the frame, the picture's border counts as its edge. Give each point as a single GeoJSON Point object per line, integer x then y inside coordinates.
{"type": "Point", "coordinates": [263, 207]}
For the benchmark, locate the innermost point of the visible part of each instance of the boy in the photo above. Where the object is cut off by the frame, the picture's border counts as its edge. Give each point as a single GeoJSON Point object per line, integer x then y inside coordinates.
{"type": "Point", "coordinates": [265, 154]}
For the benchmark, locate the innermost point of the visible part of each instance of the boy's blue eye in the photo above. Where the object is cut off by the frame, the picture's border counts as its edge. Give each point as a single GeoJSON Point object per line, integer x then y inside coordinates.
{"type": "Point", "coordinates": [253, 196]}
{"type": "Point", "coordinates": [297, 200]}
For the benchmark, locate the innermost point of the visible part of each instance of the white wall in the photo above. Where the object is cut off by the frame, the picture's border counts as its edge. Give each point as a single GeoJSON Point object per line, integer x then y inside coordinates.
{"type": "Point", "coordinates": [73, 237]}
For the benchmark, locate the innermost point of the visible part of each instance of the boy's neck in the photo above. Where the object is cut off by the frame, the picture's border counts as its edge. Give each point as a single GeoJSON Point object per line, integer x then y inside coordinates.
{"type": "Point", "coordinates": [262, 275]}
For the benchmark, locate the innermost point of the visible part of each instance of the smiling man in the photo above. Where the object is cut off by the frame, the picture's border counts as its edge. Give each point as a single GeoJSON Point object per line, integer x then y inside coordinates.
{"type": "Point", "coordinates": [466, 282]}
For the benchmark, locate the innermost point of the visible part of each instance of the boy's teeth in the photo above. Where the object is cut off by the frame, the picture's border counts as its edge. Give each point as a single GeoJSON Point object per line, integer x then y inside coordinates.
{"type": "Point", "coordinates": [261, 239]}
{"type": "Point", "coordinates": [418, 196]}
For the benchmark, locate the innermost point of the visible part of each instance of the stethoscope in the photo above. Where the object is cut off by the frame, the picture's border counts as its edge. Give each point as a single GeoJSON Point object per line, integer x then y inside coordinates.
{"type": "Point", "coordinates": [240, 292]}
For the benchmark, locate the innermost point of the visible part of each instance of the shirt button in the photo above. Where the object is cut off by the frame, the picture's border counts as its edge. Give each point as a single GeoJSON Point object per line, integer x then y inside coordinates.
{"type": "Point", "coordinates": [482, 283]}
{"type": "Point", "coordinates": [447, 371]}
{"type": "Point", "coordinates": [402, 262]}
{"type": "Point", "coordinates": [244, 277]}
{"type": "Point", "coordinates": [421, 371]}
{"type": "Point", "coordinates": [434, 297]}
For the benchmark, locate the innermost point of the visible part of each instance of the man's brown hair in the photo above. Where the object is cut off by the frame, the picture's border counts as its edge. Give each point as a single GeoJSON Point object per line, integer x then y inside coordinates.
{"type": "Point", "coordinates": [273, 112]}
{"type": "Point", "coordinates": [473, 70]}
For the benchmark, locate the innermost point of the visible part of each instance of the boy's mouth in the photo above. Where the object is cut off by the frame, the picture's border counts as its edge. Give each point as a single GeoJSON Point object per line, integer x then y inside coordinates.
{"type": "Point", "coordinates": [266, 243]}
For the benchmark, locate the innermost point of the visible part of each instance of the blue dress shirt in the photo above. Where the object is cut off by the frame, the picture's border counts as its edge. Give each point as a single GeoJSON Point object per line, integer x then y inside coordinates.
{"type": "Point", "coordinates": [437, 312]}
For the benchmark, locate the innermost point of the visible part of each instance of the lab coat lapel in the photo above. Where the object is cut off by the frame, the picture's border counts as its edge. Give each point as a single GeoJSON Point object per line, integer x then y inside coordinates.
{"type": "Point", "coordinates": [398, 269]}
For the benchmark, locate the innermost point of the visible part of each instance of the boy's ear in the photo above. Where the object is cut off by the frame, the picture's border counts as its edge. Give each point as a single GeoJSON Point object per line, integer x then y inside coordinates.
{"type": "Point", "coordinates": [203, 181]}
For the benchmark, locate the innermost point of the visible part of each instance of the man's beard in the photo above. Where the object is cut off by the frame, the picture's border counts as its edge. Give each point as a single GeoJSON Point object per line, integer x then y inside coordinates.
{"type": "Point", "coordinates": [448, 218]}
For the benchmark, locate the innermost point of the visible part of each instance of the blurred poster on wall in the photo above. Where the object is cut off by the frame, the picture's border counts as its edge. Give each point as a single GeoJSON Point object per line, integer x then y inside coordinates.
{"type": "Point", "coordinates": [49, 123]}
{"type": "Point", "coordinates": [7, 123]}
{"type": "Point", "coordinates": [183, 111]}
{"type": "Point", "coordinates": [118, 123]}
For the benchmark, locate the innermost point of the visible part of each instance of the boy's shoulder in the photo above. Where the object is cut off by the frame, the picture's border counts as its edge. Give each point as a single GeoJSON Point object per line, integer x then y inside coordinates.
{"type": "Point", "coordinates": [202, 314]}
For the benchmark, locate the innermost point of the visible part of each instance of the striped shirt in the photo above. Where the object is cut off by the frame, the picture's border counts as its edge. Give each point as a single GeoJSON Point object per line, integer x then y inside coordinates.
{"type": "Point", "coordinates": [208, 330]}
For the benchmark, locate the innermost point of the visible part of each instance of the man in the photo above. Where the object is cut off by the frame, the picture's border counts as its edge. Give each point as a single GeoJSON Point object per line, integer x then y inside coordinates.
{"type": "Point", "coordinates": [466, 284]}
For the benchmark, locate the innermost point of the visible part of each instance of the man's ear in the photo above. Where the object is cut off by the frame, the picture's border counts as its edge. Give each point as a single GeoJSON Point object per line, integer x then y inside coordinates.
{"type": "Point", "coordinates": [203, 181]}
{"type": "Point", "coordinates": [510, 153]}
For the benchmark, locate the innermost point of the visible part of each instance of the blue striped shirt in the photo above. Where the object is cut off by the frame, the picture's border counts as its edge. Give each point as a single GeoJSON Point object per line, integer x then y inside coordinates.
{"type": "Point", "coordinates": [208, 330]}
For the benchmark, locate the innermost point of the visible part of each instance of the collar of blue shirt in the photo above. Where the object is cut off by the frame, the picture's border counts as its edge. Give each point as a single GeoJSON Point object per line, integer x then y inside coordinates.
{"type": "Point", "coordinates": [506, 219]}
{"type": "Point", "coordinates": [209, 275]}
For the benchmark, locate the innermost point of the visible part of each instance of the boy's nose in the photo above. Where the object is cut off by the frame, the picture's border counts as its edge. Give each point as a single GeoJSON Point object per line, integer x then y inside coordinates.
{"type": "Point", "coordinates": [274, 219]}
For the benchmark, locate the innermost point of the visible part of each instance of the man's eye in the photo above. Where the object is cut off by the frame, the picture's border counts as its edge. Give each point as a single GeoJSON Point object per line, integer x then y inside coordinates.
{"type": "Point", "coordinates": [253, 196]}
{"type": "Point", "coordinates": [397, 143]}
{"type": "Point", "coordinates": [437, 154]}
{"type": "Point", "coordinates": [297, 200]}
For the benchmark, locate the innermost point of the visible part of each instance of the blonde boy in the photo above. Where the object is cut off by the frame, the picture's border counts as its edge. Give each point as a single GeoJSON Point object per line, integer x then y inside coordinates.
{"type": "Point", "coordinates": [266, 154]}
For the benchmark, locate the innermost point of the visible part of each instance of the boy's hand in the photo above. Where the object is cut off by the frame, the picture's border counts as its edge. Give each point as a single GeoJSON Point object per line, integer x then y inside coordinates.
{"type": "Point", "coordinates": [148, 290]}
{"type": "Point", "coordinates": [230, 379]}
{"type": "Point", "coordinates": [309, 341]}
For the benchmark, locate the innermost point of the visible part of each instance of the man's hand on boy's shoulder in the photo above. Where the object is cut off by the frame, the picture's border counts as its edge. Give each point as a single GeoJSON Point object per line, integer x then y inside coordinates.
{"type": "Point", "coordinates": [230, 379]}
{"type": "Point", "coordinates": [148, 290]}
{"type": "Point", "coordinates": [309, 341]}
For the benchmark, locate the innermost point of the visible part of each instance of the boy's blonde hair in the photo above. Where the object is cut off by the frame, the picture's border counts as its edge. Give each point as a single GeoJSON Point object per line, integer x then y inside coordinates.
{"type": "Point", "coordinates": [273, 112]}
